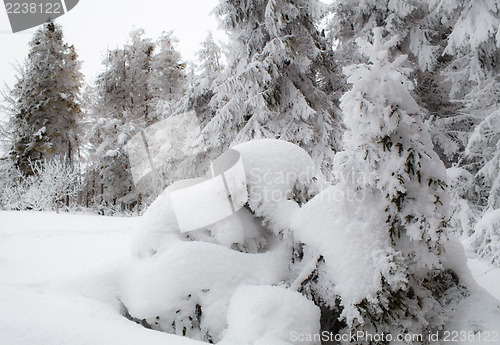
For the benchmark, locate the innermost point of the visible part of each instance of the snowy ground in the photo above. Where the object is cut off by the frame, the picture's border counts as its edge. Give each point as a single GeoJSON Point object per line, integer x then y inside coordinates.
{"type": "Point", "coordinates": [47, 265]}
{"type": "Point", "coordinates": [46, 260]}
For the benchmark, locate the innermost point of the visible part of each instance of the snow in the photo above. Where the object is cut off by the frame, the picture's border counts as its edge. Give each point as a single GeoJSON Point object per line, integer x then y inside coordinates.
{"type": "Point", "coordinates": [354, 252]}
{"type": "Point", "coordinates": [112, 153]}
{"type": "Point", "coordinates": [273, 168]}
{"type": "Point", "coordinates": [212, 200]}
{"type": "Point", "coordinates": [184, 274]}
{"type": "Point", "coordinates": [486, 275]}
{"type": "Point", "coordinates": [52, 266]}
{"type": "Point", "coordinates": [269, 315]}
{"type": "Point", "coordinates": [40, 132]}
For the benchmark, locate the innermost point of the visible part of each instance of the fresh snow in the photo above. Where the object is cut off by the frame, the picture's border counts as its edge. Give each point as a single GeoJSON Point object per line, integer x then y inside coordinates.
{"type": "Point", "coordinates": [266, 314]}
{"type": "Point", "coordinates": [55, 269]}
{"type": "Point", "coordinates": [486, 275]}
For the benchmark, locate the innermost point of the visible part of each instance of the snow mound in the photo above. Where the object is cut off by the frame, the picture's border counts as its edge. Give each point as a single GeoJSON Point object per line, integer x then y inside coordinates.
{"type": "Point", "coordinates": [270, 315]}
{"type": "Point", "coordinates": [280, 176]}
{"type": "Point", "coordinates": [273, 168]}
{"type": "Point", "coordinates": [185, 288]}
{"type": "Point", "coordinates": [477, 313]}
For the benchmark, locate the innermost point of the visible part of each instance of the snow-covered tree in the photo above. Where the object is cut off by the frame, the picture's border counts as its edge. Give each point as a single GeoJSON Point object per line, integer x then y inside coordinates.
{"type": "Point", "coordinates": [209, 63]}
{"type": "Point", "coordinates": [123, 107]}
{"type": "Point", "coordinates": [474, 41]}
{"type": "Point", "coordinates": [206, 76]}
{"type": "Point", "coordinates": [44, 103]}
{"type": "Point", "coordinates": [483, 151]}
{"type": "Point", "coordinates": [167, 82]}
{"type": "Point", "coordinates": [54, 185]}
{"type": "Point", "coordinates": [410, 20]}
{"type": "Point", "coordinates": [388, 157]}
{"type": "Point", "coordinates": [423, 28]}
{"type": "Point", "coordinates": [473, 74]}
{"type": "Point", "coordinates": [141, 83]}
{"type": "Point", "coordinates": [279, 79]}
{"type": "Point", "coordinates": [124, 86]}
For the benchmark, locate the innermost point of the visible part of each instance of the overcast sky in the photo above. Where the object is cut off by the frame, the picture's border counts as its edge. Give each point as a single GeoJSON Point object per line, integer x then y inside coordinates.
{"type": "Point", "coordinates": [94, 25]}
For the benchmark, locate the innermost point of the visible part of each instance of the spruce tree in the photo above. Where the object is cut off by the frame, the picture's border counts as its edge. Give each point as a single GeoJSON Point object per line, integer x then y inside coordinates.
{"type": "Point", "coordinates": [387, 144]}
{"type": "Point", "coordinates": [167, 83]}
{"type": "Point", "coordinates": [209, 69]}
{"type": "Point", "coordinates": [209, 63]}
{"type": "Point", "coordinates": [122, 108]}
{"type": "Point", "coordinates": [141, 82]}
{"type": "Point", "coordinates": [279, 79]}
{"type": "Point", "coordinates": [474, 75]}
{"type": "Point", "coordinates": [423, 28]}
{"type": "Point", "coordinates": [45, 103]}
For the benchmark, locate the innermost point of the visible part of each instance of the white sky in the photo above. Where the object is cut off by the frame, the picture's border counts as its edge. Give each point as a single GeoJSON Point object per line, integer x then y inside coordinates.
{"type": "Point", "coordinates": [94, 25]}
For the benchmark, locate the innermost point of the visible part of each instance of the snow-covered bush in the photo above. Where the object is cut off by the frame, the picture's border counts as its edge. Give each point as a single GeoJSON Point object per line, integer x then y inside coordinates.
{"type": "Point", "coordinates": [239, 281]}
{"type": "Point", "coordinates": [54, 185]}
{"type": "Point", "coordinates": [254, 246]}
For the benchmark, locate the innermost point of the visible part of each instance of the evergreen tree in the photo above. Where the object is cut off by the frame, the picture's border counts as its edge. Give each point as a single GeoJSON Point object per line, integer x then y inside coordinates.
{"type": "Point", "coordinates": [167, 83]}
{"type": "Point", "coordinates": [141, 83]}
{"type": "Point", "coordinates": [474, 76]}
{"type": "Point", "coordinates": [388, 156]}
{"type": "Point", "coordinates": [45, 103]}
{"type": "Point", "coordinates": [209, 70]}
{"type": "Point", "coordinates": [473, 69]}
{"type": "Point", "coordinates": [279, 79]}
{"type": "Point", "coordinates": [122, 108]}
{"type": "Point", "coordinates": [423, 28]}
{"type": "Point", "coordinates": [209, 64]}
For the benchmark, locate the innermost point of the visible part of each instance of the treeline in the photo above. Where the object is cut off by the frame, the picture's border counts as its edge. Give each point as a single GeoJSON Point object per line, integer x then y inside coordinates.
{"type": "Point", "coordinates": [283, 78]}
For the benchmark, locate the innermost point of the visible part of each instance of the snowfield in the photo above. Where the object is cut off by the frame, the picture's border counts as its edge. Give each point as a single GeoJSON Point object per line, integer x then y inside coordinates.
{"type": "Point", "coordinates": [49, 264]}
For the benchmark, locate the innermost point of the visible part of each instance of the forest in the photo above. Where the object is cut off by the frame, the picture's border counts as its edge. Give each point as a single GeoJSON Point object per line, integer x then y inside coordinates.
{"type": "Point", "coordinates": [393, 106]}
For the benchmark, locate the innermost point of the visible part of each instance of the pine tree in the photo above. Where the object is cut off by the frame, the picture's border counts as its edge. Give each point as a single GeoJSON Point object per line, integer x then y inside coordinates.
{"type": "Point", "coordinates": [209, 71]}
{"type": "Point", "coordinates": [279, 79]}
{"type": "Point", "coordinates": [474, 76]}
{"type": "Point", "coordinates": [209, 64]}
{"type": "Point", "coordinates": [122, 108]}
{"type": "Point", "coordinates": [167, 83]}
{"type": "Point", "coordinates": [423, 28]}
{"type": "Point", "coordinates": [45, 101]}
{"type": "Point", "coordinates": [388, 145]}
{"type": "Point", "coordinates": [472, 72]}
{"type": "Point", "coordinates": [142, 82]}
